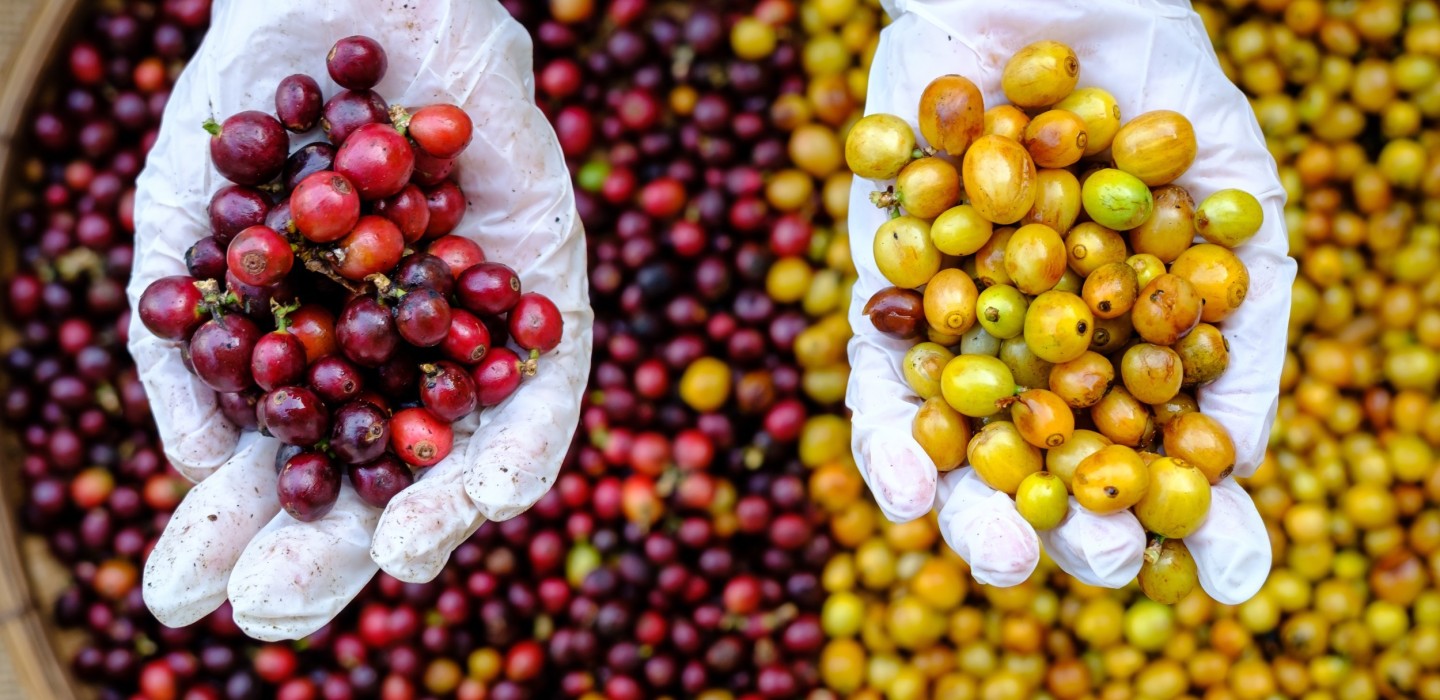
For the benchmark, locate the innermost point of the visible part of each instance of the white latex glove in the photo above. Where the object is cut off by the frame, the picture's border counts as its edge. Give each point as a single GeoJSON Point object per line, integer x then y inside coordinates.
{"type": "Point", "coordinates": [1150, 54]}
{"type": "Point", "coordinates": [229, 538]}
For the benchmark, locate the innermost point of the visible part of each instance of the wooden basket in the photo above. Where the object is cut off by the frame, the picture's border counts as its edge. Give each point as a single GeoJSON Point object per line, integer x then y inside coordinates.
{"type": "Point", "coordinates": [30, 579]}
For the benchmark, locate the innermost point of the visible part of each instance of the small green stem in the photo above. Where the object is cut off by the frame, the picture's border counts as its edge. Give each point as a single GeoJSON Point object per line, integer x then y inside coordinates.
{"type": "Point", "coordinates": [211, 126]}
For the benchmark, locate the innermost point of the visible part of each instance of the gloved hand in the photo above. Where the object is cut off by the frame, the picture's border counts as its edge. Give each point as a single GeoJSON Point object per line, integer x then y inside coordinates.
{"type": "Point", "coordinates": [1150, 54]}
{"type": "Point", "coordinates": [229, 538]}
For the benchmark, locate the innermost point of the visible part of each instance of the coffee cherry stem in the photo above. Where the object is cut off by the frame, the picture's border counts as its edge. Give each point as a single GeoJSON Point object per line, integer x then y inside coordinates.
{"type": "Point", "coordinates": [384, 287]}
{"type": "Point", "coordinates": [212, 297]}
{"type": "Point", "coordinates": [528, 367]}
{"type": "Point", "coordinates": [1152, 552]}
{"type": "Point", "coordinates": [886, 200]}
{"type": "Point", "coordinates": [322, 262]}
{"type": "Point", "coordinates": [211, 126]}
{"type": "Point", "coordinates": [400, 118]}
{"type": "Point", "coordinates": [282, 313]}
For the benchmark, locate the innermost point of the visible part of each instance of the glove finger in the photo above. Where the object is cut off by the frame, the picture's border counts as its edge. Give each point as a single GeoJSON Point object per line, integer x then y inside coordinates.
{"type": "Point", "coordinates": [423, 524]}
{"type": "Point", "coordinates": [523, 213]}
{"type": "Point", "coordinates": [983, 527]}
{"type": "Point", "coordinates": [900, 474]}
{"type": "Point", "coordinates": [1098, 550]}
{"type": "Point", "coordinates": [171, 196]}
{"type": "Point", "coordinates": [1231, 548]}
{"type": "Point", "coordinates": [294, 577]}
{"type": "Point", "coordinates": [188, 570]}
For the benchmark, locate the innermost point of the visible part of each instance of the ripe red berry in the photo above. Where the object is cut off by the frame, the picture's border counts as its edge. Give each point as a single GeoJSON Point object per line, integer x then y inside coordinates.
{"type": "Point", "coordinates": [497, 376]}
{"type": "Point", "coordinates": [259, 256]}
{"type": "Point", "coordinates": [335, 379]}
{"type": "Point", "coordinates": [408, 211]}
{"type": "Point", "coordinates": [374, 246]}
{"type": "Point", "coordinates": [442, 130]}
{"type": "Point", "coordinates": [357, 62]}
{"type": "Point", "coordinates": [467, 340]}
{"type": "Point", "coordinates": [535, 323]}
{"type": "Point", "coordinates": [419, 438]}
{"type": "Point", "coordinates": [298, 102]}
{"type": "Point", "coordinates": [366, 333]}
{"type": "Point", "coordinates": [430, 171]}
{"type": "Point", "coordinates": [295, 416]}
{"type": "Point", "coordinates": [447, 207]}
{"type": "Point", "coordinates": [447, 390]}
{"type": "Point", "coordinates": [277, 360]}
{"type": "Point", "coordinates": [423, 317]}
{"type": "Point", "coordinates": [249, 148]}
{"type": "Point", "coordinates": [220, 350]}
{"type": "Point", "coordinates": [171, 307]}
{"type": "Point", "coordinates": [377, 481]}
{"type": "Point", "coordinates": [308, 487]}
{"type": "Point", "coordinates": [458, 252]}
{"type": "Point", "coordinates": [488, 289]}
{"type": "Point", "coordinates": [377, 160]}
{"type": "Point", "coordinates": [325, 206]}
{"type": "Point", "coordinates": [359, 433]}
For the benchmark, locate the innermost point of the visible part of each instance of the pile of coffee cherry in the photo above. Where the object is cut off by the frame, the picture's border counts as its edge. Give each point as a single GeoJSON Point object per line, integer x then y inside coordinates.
{"type": "Point", "coordinates": [310, 309]}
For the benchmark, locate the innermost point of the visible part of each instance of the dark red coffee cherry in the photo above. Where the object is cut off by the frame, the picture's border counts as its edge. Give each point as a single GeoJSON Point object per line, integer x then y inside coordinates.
{"type": "Point", "coordinates": [468, 339]}
{"type": "Point", "coordinates": [298, 102]}
{"type": "Point", "coordinates": [235, 208]}
{"type": "Point", "coordinates": [488, 289]}
{"type": "Point", "coordinates": [357, 63]}
{"type": "Point", "coordinates": [423, 317]}
{"type": "Point", "coordinates": [497, 376]}
{"type": "Point", "coordinates": [278, 360]}
{"type": "Point", "coordinates": [360, 432]}
{"type": "Point", "coordinates": [447, 391]}
{"type": "Point", "coordinates": [408, 211]}
{"type": "Point", "coordinates": [220, 350]}
{"type": "Point", "coordinates": [335, 379]}
{"type": "Point", "coordinates": [350, 110]}
{"type": "Point", "coordinates": [249, 148]}
{"type": "Point", "coordinates": [378, 481]}
{"type": "Point", "coordinates": [294, 415]}
{"type": "Point", "coordinates": [366, 332]}
{"type": "Point", "coordinates": [535, 323]}
{"type": "Point", "coordinates": [308, 486]}
{"type": "Point", "coordinates": [172, 307]}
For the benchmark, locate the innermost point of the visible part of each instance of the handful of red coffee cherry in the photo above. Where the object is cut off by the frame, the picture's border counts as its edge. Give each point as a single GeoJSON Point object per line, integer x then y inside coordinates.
{"type": "Point", "coordinates": [313, 313]}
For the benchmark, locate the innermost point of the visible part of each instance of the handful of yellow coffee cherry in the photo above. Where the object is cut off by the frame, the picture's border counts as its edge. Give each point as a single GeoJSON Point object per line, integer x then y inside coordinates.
{"type": "Point", "coordinates": [1062, 311]}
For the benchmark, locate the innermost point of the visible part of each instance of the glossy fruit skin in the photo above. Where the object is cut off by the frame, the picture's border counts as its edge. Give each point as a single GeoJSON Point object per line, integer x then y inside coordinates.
{"type": "Point", "coordinates": [366, 333]}
{"type": "Point", "coordinates": [942, 432]}
{"type": "Point", "coordinates": [535, 323]}
{"type": "Point", "coordinates": [488, 289]}
{"type": "Point", "coordinates": [1110, 290]}
{"type": "Point", "coordinates": [1089, 245]}
{"type": "Point", "coordinates": [1042, 500]}
{"type": "Point", "coordinates": [408, 211]}
{"type": "Point", "coordinates": [1176, 501]}
{"type": "Point", "coordinates": [467, 340]}
{"type": "Point", "coordinates": [1146, 266]}
{"type": "Point", "coordinates": [250, 148]}
{"type": "Point", "coordinates": [419, 438]}
{"type": "Point", "coordinates": [441, 130]}
{"type": "Point", "coordinates": [448, 391]}
{"type": "Point", "coordinates": [374, 246]}
{"type": "Point", "coordinates": [359, 432]}
{"type": "Point", "coordinates": [1204, 355]}
{"type": "Point", "coordinates": [1055, 139]}
{"type": "Point", "coordinates": [378, 481]}
{"type": "Point", "coordinates": [1001, 458]}
{"type": "Point", "coordinates": [1116, 199]}
{"type": "Point", "coordinates": [1040, 74]}
{"type": "Point", "coordinates": [234, 208]}
{"type": "Point", "coordinates": [1006, 120]}
{"type": "Point", "coordinates": [1218, 275]}
{"type": "Point", "coordinates": [1100, 112]}
{"type": "Point", "coordinates": [904, 252]}
{"type": "Point", "coordinates": [1062, 461]}
{"type": "Point", "coordinates": [999, 178]}
{"type": "Point", "coordinates": [325, 206]}
{"type": "Point", "coordinates": [308, 160]}
{"type": "Point", "coordinates": [277, 360]}
{"type": "Point", "coordinates": [1171, 227]}
{"type": "Point", "coordinates": [926, 187]}
{"type": "Point", "coordinates": [205, 259]}
{"type": "Point", "coordinates": [419, 270]}
{"type": "Point", "coordinates": [1001, 310]}
{"type": "Point", "coordinates": [1166, 309]}
{"type": "Point", "coordinates": [496, 376]}
{"type": "Point", "coordinates": [1152, 373]}
{"type": "Point", "coordinates": [878, 146]}
{"type": "Point", "coordinates": [259, 256]}
{"type": "Point", "coordinates": [1030, 370]}
{"type": "Point", "coordinates": [240, 409]}
{"type": "Point", "coordinates": [458, 252]}
{"type": "Point", "coordinates": [334, 379]}
{"type": "Point", "coordinates": [314, 325]}
{"type": "Point", "coordinates": [1110, 480]}
{"type": "Point", "coordinates": [897, 312]}
{"type": "Point", "coordinates": [1229, 218]}
{"type": "Point", "coordinates": [172, 307]}
{"type": "Point", "coordinates": [1083, 381]}
{"type": "Point", "coordinates": [1201, 442]}
{"type": "Point", "coordinates": [972, 384]}
{"type": "Point", "coordinates": [298, 102]}
{"type": "Point", "coordinates": [295, 416]}
{"type": "Point", "coordinates": [1043, 418]}
{"type": "Point", "coordinates": [960, 230]}
{"type": "Point", "coordinates": [357, 63]}
{"type": "Point", "coordinates": [377, 160]}
{"type": "Point", "coordinates": [1058, 326]}
{"type": "Point", "coordinates": [1057, 201]}
{"type": "Point", "coordinates": [422, 317]}
{"type": "Point", "coordinates": [350, 110]}
{"type": "Point", "coordinates": [447, 207]}
{"type": "Point", "coordinates": [1123, 418]}
{"type": "Point", "coordinates": [1035, 258]}
{"type": "Point", "coordinates": [1156, 147]}
{"type": "Point", "coordinates": [949, 301]}
{"type": "Point", "coordinates": [923, 366]}
{"type": "Point", "coordinates": [952, 114]}
{"type": "Point", "coordinates": [1168, 573]}
{"type": "Point", "coordinates": [308, 486]}
{"type": "Point", "coordinates": [220, 350]}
